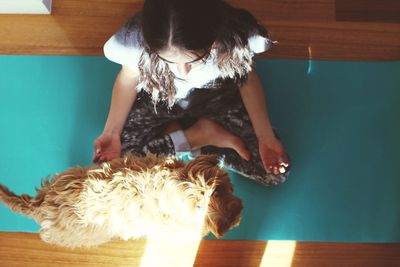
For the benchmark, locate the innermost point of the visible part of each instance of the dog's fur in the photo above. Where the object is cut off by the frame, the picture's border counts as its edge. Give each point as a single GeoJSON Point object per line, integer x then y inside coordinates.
{"type": "Point", "coordinates": [131, 197]}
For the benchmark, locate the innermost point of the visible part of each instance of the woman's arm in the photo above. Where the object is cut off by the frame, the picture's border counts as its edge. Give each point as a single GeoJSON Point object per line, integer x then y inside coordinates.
{"type": "Point", "coordinates": [123, 97]}
{"type": "Point", "coordinates": [108, 145]}
{"type": "Point", "coordinates": [253, 97]}
{"type": "Point", "coordinates": [270, 148]}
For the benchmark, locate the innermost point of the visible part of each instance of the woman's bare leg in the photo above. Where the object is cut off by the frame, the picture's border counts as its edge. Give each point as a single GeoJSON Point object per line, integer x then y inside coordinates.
{"type": "Point", "coordinates": [206, 132]}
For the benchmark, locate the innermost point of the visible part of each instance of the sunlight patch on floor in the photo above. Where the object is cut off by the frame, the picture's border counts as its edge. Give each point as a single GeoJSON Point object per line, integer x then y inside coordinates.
{"type": "Point", "coordinates": [166, 252]}
{"type": "Point", "coordinates": [278, 254]}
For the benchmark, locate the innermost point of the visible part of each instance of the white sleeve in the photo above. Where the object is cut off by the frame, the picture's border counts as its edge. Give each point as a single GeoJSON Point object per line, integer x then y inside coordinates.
{"type": "Point", "coordinates": [259, 44]}
{"type": "Point", "coordinates": [123, 49]}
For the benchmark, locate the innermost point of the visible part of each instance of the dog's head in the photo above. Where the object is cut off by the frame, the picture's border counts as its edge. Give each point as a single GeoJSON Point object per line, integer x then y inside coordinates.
{"type": "Point", "coordinates": [223, 210]}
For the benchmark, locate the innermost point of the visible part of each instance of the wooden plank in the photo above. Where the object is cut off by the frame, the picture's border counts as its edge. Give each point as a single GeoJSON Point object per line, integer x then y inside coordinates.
{"type": "Point", "coordinates": [368, 10]}
{"type": "Point", "coordinates": [290, 10]}
{"type": "Point", "coordinates": [335, 40]}
{"type": "Point", "coordinates": [305, 30]}
{"type": "Point", "coordinates": [74, 28]}
{"type": "Point", "coordinates": [26, 249]}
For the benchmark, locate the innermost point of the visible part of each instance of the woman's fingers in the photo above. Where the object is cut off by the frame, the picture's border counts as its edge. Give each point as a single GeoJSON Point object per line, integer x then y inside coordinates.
{"type": "Point", "coordinates": [245, 154]}
{"type": "Point", "coordinates": [97, 150]}
{"type": "Point", "coordinates": [284, 161]}
{"type": "Point", "coordinates": [277, 167]}
{"type": "Point", "coordinates": [269, 169]}
{"type": "Point", "coordinates": [282, 169]}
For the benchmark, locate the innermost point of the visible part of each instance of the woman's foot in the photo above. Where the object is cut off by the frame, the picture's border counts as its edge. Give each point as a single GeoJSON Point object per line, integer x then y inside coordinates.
{"type": "Point", "coordinates": [172, 127]}
{"type": "Point", "coordinates": [206, 132]}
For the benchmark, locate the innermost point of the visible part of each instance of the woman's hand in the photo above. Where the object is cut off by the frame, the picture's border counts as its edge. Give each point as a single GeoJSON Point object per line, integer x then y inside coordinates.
{"type": "Point", "coordinates": [107, 147]}
{"type": "Point", "coordinates": [273, 156]}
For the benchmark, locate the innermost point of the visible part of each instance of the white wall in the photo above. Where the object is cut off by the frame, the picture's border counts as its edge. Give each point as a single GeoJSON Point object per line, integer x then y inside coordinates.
{"type": "Point", "coordinates": [25, 6]}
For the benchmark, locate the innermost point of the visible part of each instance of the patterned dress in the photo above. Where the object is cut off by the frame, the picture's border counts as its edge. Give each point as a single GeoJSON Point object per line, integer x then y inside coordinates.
{"type": "Point", "coordinates": [202, 94]}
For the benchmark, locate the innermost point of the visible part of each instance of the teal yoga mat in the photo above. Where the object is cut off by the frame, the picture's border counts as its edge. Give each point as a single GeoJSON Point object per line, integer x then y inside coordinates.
{"type": "Point", "coordinates": [339, 121]}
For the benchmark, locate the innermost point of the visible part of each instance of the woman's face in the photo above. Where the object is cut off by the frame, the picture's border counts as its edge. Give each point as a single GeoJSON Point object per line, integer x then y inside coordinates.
{"type": "Point", "coordinates": [181, 60]}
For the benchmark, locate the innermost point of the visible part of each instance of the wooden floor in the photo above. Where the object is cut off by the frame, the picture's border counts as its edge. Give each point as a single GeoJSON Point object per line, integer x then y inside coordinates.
{"type": "Point", "coordinates": [307, 29]}
{"type": "Point", "coordinates": [26, 249]}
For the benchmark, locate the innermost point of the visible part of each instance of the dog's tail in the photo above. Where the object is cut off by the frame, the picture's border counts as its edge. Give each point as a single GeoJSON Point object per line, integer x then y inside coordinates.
{"type": "Point", "coordinates": [22, 203]}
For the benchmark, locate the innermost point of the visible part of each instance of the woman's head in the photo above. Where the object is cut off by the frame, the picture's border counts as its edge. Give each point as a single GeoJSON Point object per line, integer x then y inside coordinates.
{"type": "Point", "coordinates": [180, 31]}
{"type": "Point", "coordinates": [184, 32]}
{"type": "Point", "coordinates": [184, 24]}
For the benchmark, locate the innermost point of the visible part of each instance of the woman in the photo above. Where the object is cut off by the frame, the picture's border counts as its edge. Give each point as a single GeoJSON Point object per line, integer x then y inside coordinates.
{"type": "Point", "coordinates": [187, 84]}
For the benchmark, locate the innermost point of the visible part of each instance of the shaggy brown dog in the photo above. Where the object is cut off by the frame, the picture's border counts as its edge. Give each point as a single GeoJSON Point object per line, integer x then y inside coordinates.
{"type": "Point", "coordinates": [131, 197]}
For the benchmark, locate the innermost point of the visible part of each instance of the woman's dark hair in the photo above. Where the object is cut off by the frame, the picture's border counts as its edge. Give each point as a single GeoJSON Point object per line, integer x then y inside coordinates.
{"type": "Point", "coordinates": [196, 26]}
